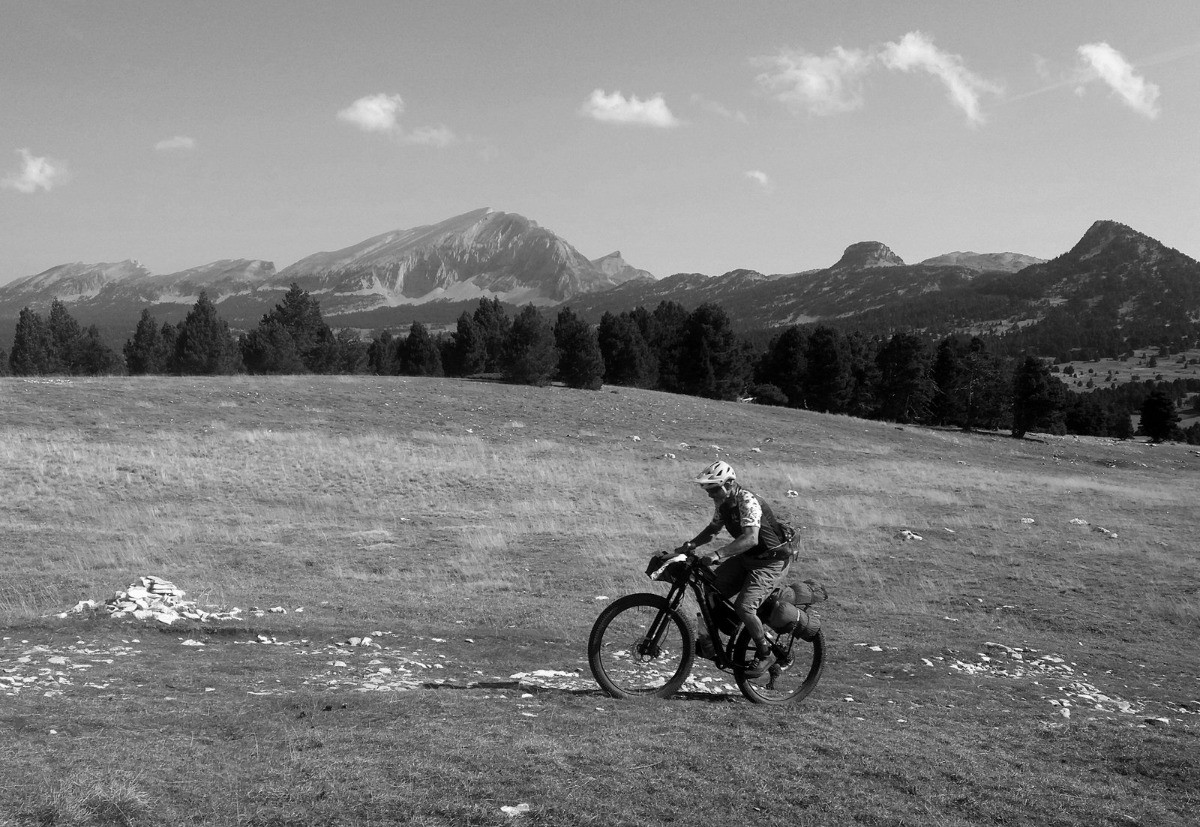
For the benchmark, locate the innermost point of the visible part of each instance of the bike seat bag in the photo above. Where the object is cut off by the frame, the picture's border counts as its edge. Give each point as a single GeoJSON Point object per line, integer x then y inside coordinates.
{"type": "Point", "coordinates": [784, 616]}
{"type": "Point", "coordinates": [804, 593]}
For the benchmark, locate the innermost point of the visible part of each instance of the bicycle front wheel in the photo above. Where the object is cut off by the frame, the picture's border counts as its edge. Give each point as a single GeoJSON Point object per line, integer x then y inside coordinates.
{"type": "Point", "coordinates": [640, 647]}
{"type": "Point", "coordinates": [786, 682]}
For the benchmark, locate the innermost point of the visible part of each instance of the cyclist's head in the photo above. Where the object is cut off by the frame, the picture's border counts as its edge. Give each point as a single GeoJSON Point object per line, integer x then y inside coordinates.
{"type": "Point", "coordinates": [715, 477]}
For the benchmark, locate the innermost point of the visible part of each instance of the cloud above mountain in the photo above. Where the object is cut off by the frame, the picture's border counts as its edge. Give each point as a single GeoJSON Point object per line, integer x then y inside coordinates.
{"type": "Point", "coordinates": [833, 83]}
{"type": "Point", "coordinates": [617, 109]}
{"type": "Point", "coordinates": [380, 114]}
{"type": "Point", "coordinates": [916, 52]}
{"type": "Point", "coordinates": [36, 173]}
{"type": "Point", "coordinates": [761, 178]}
{"type": "Point", "coordinates": [179, 143]}
{"type": "Point", "coordinates": [821, 84]}
{"type": "Point", "coordinates": [1103, 62]}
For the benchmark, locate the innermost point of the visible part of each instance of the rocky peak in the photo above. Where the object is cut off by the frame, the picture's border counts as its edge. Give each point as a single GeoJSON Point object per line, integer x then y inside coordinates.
{"type": "Point", "coordinates": [1112, 239]}
{"type": "Point", "coordinates": [868, 254]}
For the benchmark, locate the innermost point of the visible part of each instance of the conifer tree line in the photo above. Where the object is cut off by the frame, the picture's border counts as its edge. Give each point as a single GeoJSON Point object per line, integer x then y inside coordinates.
{"type": "Point", "coordinates": [905, 378]}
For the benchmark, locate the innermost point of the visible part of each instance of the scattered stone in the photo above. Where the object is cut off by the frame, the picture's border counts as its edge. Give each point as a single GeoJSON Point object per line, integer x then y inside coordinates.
{"type": "Point", "coordinates": [1078, 521]}
{"type": "Point", "coordinates": [1028, 520]}
{"type": "Point", "coordinates": [1112, 535]}
{"type": "Point", "coordinates": [905, 534]}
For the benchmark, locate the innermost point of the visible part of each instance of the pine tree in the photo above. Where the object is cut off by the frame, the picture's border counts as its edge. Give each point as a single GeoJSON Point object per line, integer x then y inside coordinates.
{"type": "Point", "coordinates": [1159, 417]}
{"type": "Point", "coordinates": [905, 387]}
{"type": "Point", "coordinates": [353, 357]}
{"type": "Point", "coordinates": [530, 356]}
{"type": "Point", "coordinates": [381, 355]}
{"type": "Point", "coordinates": [203, 346]}
{"type": "Point", "coordinates": [717, 364]}
{"type": "Point", "coordinates": [419, 355]}
{"type": "Point", "coordinates": [145, 352]}
{"type": "Point", "coordinates": [666, 343]}
{"type": "Point", "coordinates": [270, 348]}
{"type": "Point", "coordinates": [828, 381]}
{"type": "Point", "coordinates": [31, 346]}
{"type": "Point", "coordinates": [494, 326]}
{"type": "Point", "coordinates": [628, 359]}
{"type": "Point", "coordinates": [580, 363]}
{"type": "Point", "coordinates": [92, 357]}
{"type": "Point", "coordinates": [946, 405]}
{"type": "Point", "coordinates": [468, 347]}
{"type": "Point", "coordinates": [864, 375]}
{"type": "Point", "coordinates": [5, 367]}
{"type": "Point", "coordinates": [64, 334]}
{"type": "Point", "coordinates": [782, 365]}
{"type": "Point", "coordinates": [1036, 397]}
{"type": "Point", "coordinates": [298, 315]}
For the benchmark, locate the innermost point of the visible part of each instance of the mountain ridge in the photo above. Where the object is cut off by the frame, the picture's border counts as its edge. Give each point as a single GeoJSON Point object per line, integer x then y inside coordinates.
{"type": "Point", "coordinates": [1113, 278]}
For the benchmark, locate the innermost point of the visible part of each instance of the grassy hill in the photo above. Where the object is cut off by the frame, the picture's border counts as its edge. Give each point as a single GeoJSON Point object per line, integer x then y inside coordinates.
{"type": "Point", "coordinates": [416, 564]}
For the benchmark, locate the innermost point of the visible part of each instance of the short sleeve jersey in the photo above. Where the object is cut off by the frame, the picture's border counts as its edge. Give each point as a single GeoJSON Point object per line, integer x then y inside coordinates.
{"type": "Point", "coordinates": [743, 509]}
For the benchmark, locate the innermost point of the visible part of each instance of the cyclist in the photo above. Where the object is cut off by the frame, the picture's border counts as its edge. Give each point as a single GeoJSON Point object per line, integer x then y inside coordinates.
{"type": "Point", "coordinates": [754, 563]}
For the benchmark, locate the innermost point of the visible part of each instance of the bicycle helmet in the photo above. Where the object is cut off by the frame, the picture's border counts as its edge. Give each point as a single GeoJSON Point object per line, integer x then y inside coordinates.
{"type": "Point", "coordinates": [719, 473]}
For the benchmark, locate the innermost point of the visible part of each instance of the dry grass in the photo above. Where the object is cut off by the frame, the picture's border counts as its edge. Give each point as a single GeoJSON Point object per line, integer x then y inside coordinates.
{"type": "Point", "coordinates": [442, 510]}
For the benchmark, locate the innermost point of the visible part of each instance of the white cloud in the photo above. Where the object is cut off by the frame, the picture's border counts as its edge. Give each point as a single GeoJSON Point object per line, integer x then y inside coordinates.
{"type": "Point", "coordinates": [616, 108]}
{"type": "Point", "coordinates": [381, 114]}
{"type": "Point", "coordinates": [180, 143]}
{"type": "Point", "coordinates": [759, 177]}
{"type": "Point", "coordinates": [1110, 66]}
{"type": "Point", "coordinates": [36, 173]}
{"type": "Point", "coordinates": [438, 136]}
{"type": "Point", "coordinates": [833, 83]}
{"type": "Point", "coordinates": [916, 51]}
{"type": "Point", "coordinates": [374, 113]}
{"type": "Point", "coordinates": [719, 109]}
{"type": "Point", "coordinates": [822, 85]}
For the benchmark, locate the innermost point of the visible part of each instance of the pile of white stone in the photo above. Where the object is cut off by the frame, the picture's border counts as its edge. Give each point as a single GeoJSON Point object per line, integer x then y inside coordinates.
{"type": "Point", "coordinates": [153, 598]}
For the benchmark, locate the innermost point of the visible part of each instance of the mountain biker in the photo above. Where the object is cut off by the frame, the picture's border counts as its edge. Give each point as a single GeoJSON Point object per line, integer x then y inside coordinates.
{"type": "Point", "coordinates": [754, 563]}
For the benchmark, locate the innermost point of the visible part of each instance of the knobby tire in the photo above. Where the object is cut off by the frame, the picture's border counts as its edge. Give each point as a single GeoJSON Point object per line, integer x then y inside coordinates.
{"type": "Point", "coordinates": [780, 686]}
{"type": "Point", "coordinates": [626, 662]}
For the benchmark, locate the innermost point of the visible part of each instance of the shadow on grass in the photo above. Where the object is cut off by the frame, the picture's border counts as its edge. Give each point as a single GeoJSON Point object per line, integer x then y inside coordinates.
{"type": "Point", "coordinates": [589, 692]}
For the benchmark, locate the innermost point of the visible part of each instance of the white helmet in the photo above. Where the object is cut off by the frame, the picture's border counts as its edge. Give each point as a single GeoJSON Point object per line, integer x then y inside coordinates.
{"type": "Point", "coordinates": [719, 473]}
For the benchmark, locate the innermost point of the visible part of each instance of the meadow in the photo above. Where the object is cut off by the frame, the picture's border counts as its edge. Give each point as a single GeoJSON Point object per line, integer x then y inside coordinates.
{"type": "Point", "coordinates": [416, 564]}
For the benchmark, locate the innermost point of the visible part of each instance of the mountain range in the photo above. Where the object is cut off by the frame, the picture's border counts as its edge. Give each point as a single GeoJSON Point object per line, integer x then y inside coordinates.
{"type": "Point", "coordinates": [1114, 283]}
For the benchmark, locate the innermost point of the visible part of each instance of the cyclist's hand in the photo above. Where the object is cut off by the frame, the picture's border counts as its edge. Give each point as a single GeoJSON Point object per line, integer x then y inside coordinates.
{"type": "Point", "coordinates": [686, 548]}
{"type": "Point", "coordinates": [709, 556]}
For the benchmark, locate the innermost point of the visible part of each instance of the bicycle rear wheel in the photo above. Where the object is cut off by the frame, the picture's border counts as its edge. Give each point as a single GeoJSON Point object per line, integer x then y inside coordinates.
{"type": "Point", "coordinates": [640, 647]}
{"type": "Point", "coordinates": [783, 683]}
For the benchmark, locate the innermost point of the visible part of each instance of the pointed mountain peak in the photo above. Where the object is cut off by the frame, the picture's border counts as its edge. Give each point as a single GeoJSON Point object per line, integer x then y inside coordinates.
{"type": "Point", "coordinates": [617, 268]}
{"type": "Point", "coordinates": [868, 254]}
{"type": "Point", "coordinates": [1110, 238]}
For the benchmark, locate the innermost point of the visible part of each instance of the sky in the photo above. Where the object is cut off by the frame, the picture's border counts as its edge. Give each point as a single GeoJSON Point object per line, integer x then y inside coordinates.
{"type": "Point", "coordinates": [692, 136]}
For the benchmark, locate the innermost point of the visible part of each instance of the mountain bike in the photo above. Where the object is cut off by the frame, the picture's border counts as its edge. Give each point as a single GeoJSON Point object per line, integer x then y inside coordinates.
{"type": "Point", "coordinates": [643, 645]}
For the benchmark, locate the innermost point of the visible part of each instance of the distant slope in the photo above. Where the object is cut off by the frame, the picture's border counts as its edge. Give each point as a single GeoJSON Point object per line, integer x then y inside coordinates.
{"type": "Point", "coordinates": [448, 266]}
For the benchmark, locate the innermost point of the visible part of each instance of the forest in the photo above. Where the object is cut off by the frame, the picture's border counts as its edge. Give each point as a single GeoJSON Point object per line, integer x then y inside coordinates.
{"type": "Point", "coordinates": [967, 382]}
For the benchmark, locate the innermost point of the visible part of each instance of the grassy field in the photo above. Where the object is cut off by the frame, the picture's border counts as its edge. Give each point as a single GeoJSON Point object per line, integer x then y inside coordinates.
{"type": "Point", "coordinates": [416, 564]}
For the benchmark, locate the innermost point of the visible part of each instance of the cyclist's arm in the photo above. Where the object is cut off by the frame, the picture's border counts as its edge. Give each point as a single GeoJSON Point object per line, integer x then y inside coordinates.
{"type": "Point", "coordinates": [747, 540]}
{"type": "Point", "coordinates": [704, 536]}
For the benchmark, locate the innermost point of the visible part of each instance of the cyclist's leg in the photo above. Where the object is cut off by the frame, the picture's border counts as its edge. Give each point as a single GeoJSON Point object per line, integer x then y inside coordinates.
{"type": "Point", "coordinates": [761, 577]}
{"type": "Point", "coordinates": [729, 575]}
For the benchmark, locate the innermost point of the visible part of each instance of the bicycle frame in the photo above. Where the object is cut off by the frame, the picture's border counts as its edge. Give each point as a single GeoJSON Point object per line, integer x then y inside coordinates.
{"type": "Point", "coordinates": [702, 583]}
